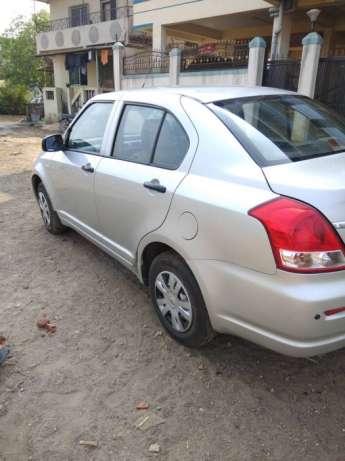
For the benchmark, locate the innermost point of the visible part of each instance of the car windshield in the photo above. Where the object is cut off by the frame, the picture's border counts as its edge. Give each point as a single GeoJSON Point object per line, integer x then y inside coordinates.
{"type": "Point", "coordinates": [298, 127]}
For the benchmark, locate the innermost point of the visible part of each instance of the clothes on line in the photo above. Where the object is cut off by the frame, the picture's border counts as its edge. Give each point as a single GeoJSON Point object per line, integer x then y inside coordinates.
{"type": "Point", "coordinates": [76, 60]}
{"type": "Point", "coordinates": [104, 56]}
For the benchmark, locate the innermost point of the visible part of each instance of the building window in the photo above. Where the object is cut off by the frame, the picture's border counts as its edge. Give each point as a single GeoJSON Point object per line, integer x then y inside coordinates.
{"type": "Point", "coordinates": [79, 15]}
{"type": "Point", "coordinates": [108, 10]}
{"type": "Point", "coordinates": [50, 95]}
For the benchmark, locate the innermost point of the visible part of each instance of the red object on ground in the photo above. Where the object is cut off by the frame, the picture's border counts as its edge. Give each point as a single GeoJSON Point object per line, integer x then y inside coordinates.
{"type": "Point", "coordinates": [42, 323]}
{"type": "Point", "coordinates": [46, 325]}
{"type": "Point", "coordinates": [142, 406]}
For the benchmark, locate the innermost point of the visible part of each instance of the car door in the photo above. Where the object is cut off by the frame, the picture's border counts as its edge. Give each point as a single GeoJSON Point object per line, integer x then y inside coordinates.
{"type": "Point", "coordinates": [72, 170]}
{"type": "Point", "coordinates": [134, 188]}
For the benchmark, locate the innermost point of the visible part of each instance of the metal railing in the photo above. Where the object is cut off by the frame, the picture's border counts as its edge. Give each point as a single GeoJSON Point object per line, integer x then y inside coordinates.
{"type": "Point", "coordinates": [282, 73]}
{"type": "Point", "coordinates": [217, 55]}
{"type": "Point", "coordinates": [330, 83]}
{"type": "Point", "coordinates": [86, 18]}
{"type": "Point", "coordinates": [146, 63]}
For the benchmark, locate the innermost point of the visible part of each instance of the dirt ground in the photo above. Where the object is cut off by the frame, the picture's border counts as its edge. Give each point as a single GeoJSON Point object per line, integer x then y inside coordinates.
{"type": "Point", "coordinates": [231, 401]}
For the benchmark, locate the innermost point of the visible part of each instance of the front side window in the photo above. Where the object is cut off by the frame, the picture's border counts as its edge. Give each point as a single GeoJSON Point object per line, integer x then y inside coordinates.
{"type": "Point", "coordinates": [87, 133]}
{"type": "Point", "coordinates": [150, 136]}
{"type": "Point", "coordinates": [298, 127]}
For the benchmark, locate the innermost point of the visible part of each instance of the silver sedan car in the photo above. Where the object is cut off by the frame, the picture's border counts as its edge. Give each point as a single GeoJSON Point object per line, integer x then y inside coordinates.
{"type": "Point", "coordinates": [228, 203]}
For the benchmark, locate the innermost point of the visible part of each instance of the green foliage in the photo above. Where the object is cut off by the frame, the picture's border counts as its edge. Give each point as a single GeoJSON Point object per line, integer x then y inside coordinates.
{"type": "Point", "coordinates": [18, 62]}
{"type": "Point", "coordinates": [13, 99]}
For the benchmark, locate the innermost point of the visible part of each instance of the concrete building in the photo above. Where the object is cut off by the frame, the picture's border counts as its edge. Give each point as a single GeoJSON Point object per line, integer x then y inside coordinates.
{"type": "Point", "coordinates": [79, 41]}
{"type": "Point", "coordinates": [203, 21]}
{"type": "Point", "coordinates": [82, 32]}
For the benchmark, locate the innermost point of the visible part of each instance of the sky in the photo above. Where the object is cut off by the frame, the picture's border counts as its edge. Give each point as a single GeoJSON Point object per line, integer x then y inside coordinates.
{"type": "Point", "coordinates": [9, 9]}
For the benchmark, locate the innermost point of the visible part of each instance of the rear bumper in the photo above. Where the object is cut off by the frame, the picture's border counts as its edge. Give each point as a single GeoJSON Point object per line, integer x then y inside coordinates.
{"type": "Point", "coordinates": [276, 311]}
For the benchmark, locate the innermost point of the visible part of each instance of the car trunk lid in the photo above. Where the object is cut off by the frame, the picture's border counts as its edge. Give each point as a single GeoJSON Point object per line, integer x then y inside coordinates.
{"type": "Point", "coordinates": [318, 181]}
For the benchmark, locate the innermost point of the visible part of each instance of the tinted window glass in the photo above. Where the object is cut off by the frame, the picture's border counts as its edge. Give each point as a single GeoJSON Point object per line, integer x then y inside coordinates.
{"type": "Point", "coordinates": [172, 144]}
{"type": "Point", "coordinates": [137, 133]}
{"type": "Point", "coordinates": [298, 127]}
{"type": "Point", "coordinates": [88, 131]}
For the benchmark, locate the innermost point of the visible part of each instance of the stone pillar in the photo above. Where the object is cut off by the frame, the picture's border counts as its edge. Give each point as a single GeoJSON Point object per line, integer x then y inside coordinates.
{"type": "Point", "coordinates": [175, 66]}
{"type": "Point", "coordinates": [312, 44]}
{"type": "Point", "coordinates": [159, 37]}
{"type": "Point", "coordinates": [256, 61]}
{"type": "Point", "coordinates": [118, 54]}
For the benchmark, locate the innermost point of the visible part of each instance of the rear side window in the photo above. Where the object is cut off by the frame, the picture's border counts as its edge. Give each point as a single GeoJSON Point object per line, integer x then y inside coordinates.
{"type": "Point", "coordinates": [150, 136]}
{"type": "Point", "coordinates": [87, 133]}
{"type": "Point", "coordinates": [298, 127]}
{"type": "Point", "coordinates": [172, 144]}
{"type": "Point", "coordinates": [137, 133]}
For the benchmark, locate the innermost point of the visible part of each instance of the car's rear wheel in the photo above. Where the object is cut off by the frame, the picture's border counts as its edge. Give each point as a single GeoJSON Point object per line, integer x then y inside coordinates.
{"type": "Point", "coordinates": [178, 301]}
{"type": "Point", "coordinates": [50, 218]}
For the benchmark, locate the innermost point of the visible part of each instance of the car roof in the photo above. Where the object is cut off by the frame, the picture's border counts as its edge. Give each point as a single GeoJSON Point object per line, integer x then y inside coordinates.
{"type": "Point", "coordinates": [205, 94]}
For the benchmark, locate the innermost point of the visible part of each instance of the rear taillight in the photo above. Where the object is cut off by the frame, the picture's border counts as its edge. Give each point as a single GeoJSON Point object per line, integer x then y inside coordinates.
{"type": "Point", "coordinates": [302, 239]}
{"type": "Point", "coordinates": [337, 310]}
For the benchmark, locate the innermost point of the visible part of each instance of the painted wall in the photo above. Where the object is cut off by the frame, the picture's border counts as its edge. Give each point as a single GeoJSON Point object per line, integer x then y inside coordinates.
{"type": "Point", "coordinates": [61, 77]}
{"type": "Point", "coordinates": [91, 74]}
{"type": "Point", "coordinates": [144, 81]}
{"type": "Point", "coordinates": [52, 107]}
{"type": "Point", "coordinates": [82, 36]}
{"type": "Point", "coordinates": [219, 78]}
{"type": "Point", "coordinates": [175, 11]}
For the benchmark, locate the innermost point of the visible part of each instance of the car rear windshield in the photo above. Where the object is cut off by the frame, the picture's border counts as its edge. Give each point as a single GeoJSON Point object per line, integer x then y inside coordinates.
{"type": "Point", "coordinates": [296, 127]}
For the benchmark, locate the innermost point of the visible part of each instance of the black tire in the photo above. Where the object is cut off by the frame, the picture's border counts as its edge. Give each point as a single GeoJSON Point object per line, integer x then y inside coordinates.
{"type": "Point", "coordinates": [54, 225]}
{"type": "Point", "coordinates": [199, 331]}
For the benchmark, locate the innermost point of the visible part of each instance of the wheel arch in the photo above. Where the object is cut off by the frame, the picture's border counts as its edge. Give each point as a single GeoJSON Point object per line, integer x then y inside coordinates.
{"type": "Point", "coordinates": [35, 181]}
{"type": "Point", "coordinates": [150, 250]}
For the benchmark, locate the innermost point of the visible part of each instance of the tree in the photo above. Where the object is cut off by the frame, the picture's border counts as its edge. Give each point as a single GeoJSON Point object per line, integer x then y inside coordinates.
{"type": "Point", "coordinates": [18, 62]}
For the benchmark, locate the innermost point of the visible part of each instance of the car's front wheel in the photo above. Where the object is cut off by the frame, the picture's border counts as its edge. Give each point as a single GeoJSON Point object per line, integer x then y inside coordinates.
{"type": "Point", "coordinates": [178, 301]}
{"type": "Point", "coordinates": [50, 218]}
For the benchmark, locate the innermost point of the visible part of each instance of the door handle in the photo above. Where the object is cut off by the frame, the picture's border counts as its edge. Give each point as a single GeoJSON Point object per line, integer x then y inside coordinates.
{"type": "Point", "coordinates": [88, 168]}
{"type": "Point", "coordinates": [154, 184]}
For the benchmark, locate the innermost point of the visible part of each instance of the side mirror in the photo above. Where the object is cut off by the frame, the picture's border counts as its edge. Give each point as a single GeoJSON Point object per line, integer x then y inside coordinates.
{"type": "Point", "coordinates": [52, 143]}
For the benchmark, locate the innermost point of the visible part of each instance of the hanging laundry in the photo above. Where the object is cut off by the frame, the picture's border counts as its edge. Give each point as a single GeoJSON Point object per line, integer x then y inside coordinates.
{"type": "Point", "coordinates": [104, 56]}
{"type": "Point", "coordinates": [75, 60]}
